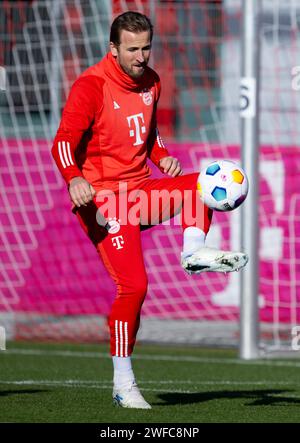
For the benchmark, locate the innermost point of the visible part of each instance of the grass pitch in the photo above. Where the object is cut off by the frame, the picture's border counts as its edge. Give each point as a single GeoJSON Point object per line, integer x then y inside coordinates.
{"type": "Point", "coordinates": [65, 383]}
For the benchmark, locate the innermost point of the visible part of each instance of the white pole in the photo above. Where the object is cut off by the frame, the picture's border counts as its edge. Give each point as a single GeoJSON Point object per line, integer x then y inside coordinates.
{"type": "Point", "coordinates": [250, 143]}
{"type": "Point", "coordinates": [55, 13]}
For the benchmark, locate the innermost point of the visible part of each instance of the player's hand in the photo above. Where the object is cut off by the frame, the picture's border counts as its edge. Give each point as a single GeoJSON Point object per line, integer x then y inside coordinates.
{"type": "Point", "coordinates": [81, 192]}
{"type": "Point", "coordinates": [170, 166]}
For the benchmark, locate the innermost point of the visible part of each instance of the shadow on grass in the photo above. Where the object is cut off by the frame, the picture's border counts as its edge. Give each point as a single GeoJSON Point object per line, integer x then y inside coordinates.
{"type": "Point", "coordinates": [264, 397]}
{"type": "Point", "coordinates": [21, 391]}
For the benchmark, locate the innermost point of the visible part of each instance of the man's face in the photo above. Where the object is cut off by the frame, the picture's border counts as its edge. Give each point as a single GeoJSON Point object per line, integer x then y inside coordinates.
{"type": "Point", "coordinates": [133, 52]}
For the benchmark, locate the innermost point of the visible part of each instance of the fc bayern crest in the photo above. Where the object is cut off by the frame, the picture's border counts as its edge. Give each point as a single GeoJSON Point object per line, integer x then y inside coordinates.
{"type": "Point", "coordinates": [147, 96]}
{"type": "Point", "coordinates": [114, 225]}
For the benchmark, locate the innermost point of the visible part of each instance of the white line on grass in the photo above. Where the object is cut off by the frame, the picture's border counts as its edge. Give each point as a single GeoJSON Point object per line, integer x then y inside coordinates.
{"type": "Point", "coordinates": [171, 358]}
{"type": "Point", "coordinates": [91, 384]}
{"type": "Point", "coordinates": [109, 383]}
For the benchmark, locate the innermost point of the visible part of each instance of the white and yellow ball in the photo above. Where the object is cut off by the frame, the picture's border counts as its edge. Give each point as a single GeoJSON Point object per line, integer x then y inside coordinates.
{"type": "Point", "coordinates": [223, 185]}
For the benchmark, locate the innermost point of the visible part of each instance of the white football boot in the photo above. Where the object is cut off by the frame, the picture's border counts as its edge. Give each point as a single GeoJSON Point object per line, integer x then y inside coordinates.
{"type": "Point", "coordinates": [213, 260]}
{"type": "Point", "coordinates": [129, 397]}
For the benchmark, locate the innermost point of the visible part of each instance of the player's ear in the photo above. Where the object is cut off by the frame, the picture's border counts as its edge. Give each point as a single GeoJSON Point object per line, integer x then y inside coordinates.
{"type": "Point", "coordinates": [113, 49]}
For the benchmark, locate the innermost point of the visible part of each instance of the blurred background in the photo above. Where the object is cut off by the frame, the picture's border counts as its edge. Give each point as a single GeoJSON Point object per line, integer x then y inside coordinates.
{"type": "Point", "coordinates": [53, 286]}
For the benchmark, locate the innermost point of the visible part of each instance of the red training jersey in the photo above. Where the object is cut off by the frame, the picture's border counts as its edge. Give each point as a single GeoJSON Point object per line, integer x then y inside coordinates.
{"type": "Point", "coordinates": [108, 127]}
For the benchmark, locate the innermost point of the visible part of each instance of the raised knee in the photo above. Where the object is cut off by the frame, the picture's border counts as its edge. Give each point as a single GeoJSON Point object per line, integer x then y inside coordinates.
{"type": "Point", "coordinates": [140, 287]}
{"type": "Point", "coordinates": [137, 288]}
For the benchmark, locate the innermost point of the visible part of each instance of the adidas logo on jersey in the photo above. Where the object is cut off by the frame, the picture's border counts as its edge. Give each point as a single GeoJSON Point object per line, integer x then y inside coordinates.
{"type": "Point", "coordinates": [116, 106]}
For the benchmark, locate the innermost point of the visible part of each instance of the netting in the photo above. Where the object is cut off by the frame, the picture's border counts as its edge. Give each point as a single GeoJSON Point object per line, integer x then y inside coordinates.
{"type": "Point", "coordinates": [52, 283]}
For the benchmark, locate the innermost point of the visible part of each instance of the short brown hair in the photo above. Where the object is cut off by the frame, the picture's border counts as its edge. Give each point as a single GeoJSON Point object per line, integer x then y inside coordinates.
{"type": "Point", "coordinates": [132, 22]}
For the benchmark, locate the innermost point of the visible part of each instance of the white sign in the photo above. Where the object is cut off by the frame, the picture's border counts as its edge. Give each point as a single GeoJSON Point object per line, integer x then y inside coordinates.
{"type": "Point", "coordinates": [296, 338]}
{"type": "Point", "coordinates": [248, 97]}
{"type": "Point", "coordinates": [2, 339]}
{"type": "Point", "coordinates": [2, 78]}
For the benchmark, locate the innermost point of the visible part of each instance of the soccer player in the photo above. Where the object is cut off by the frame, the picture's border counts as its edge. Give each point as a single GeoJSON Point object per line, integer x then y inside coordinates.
{"type": "Point", "coordinates": [107, 131]}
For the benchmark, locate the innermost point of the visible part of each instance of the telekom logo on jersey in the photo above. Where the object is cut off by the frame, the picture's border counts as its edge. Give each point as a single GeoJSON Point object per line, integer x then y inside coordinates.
{"type": "Point", "coordinates": [137, 122]}
{"type": "Point", "coordinates": [118, 241]}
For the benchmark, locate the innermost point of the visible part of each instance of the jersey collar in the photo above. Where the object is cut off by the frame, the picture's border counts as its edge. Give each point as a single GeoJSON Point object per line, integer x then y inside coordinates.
{"type": "Point", "coordinates": [114, 71]}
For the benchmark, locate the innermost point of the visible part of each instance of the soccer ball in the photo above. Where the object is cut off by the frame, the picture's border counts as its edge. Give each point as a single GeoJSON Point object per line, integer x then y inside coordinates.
{"type": "Point", "coordinates": [223, 185]}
